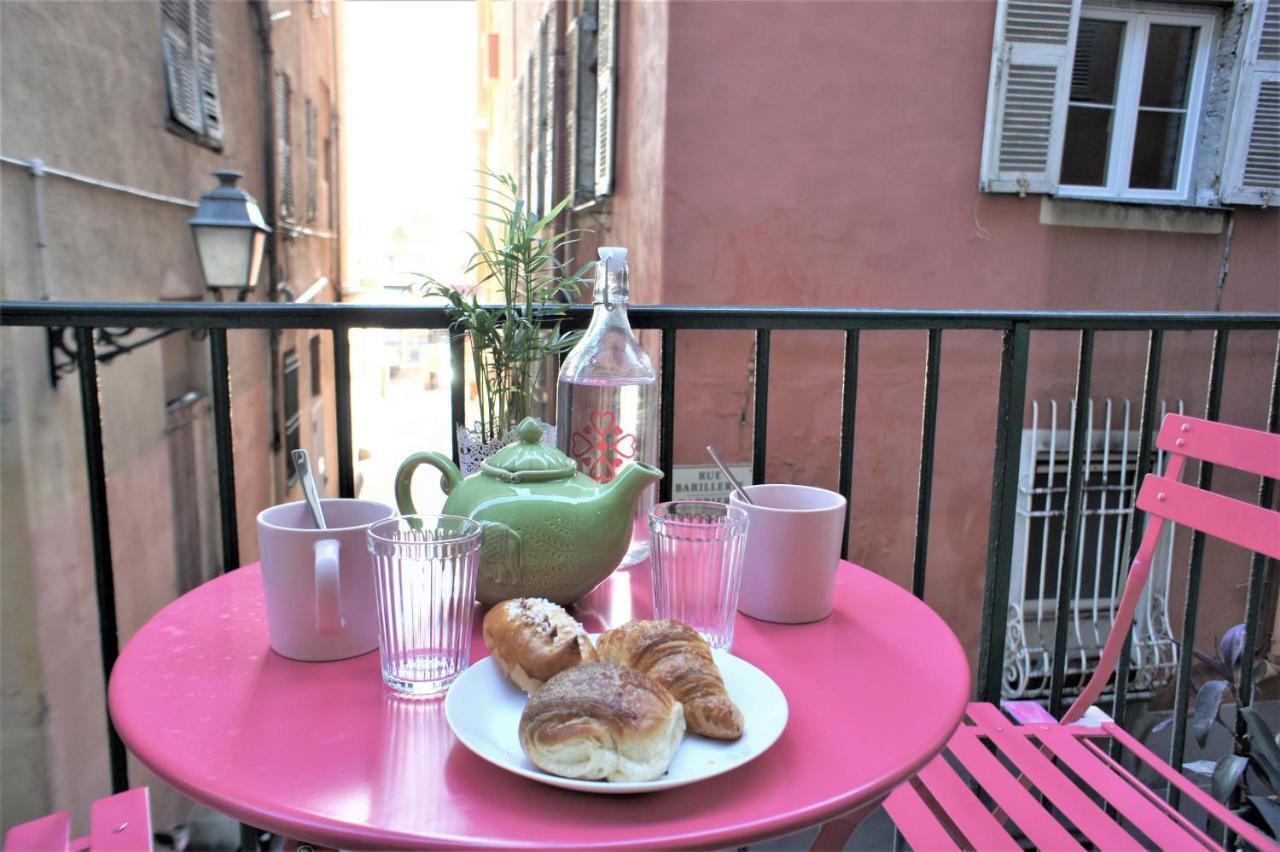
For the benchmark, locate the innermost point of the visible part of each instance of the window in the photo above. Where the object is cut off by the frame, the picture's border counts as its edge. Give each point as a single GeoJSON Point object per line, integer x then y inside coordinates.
{"type": "Point", "coordinates": [191, 77]}
{"type": "Point", "coordinates": [1106, 100]}
{"type": "Point", "coordinates": [284, 150]}
{"type": "Point", "coordinates": [292, 418]}
{"type": "Point", "coordinates": [1133, 104]}
{"type": "Point", "coordinates": [314, 346]}
{"type": "Point", "coordinates": [1108, 533]}
{"type": "Point", "coordinates": [581, 164]}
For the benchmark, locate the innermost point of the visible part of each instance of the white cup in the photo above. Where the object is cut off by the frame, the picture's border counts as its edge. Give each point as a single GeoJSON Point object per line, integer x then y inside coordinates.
{"type": "Point", "coordinates": [318, 584]}
{"type": "Point", "coordinates": [793, 552]}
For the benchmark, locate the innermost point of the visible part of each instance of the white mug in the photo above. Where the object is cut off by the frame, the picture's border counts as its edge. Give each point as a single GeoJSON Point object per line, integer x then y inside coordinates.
{"type": "Point", "coordinates": [792, 552]}
{"type": "Point", "coordinates": [318, 584]}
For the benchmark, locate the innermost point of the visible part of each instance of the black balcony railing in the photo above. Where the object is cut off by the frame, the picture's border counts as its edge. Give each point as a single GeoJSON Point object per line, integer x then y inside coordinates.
{"type": "Point", "coordinates": [1015, 327]}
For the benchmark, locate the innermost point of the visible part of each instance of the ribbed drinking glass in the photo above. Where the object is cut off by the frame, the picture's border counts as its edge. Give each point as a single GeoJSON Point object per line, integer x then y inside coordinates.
{"type": "Point", "coordinates": [424, 571]}
{"type": "Point", "coordinates": [696, 551]}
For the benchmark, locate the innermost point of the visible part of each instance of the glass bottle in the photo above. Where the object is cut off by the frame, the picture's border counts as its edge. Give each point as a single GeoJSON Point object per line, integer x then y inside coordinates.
{"type": "Point", "coordinates": [606, 397]}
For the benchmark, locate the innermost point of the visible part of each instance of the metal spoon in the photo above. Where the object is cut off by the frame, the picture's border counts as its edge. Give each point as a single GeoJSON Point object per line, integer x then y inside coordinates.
{"type": "Point", "coordinates": [733, 480]}
{"type": "Point", "coordinates": [303, 464]}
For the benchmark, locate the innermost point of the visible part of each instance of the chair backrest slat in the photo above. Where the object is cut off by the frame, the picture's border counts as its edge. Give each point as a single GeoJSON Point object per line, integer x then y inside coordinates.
{"type": "Point", "coordinates": [1221, 443]}
{"type": "Point", "coordinates": [1249, 526]}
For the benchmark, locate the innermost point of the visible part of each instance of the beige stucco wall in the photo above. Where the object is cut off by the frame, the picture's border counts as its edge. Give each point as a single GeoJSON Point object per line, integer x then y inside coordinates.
{"type": "Point", "coordinates": [82, 88]}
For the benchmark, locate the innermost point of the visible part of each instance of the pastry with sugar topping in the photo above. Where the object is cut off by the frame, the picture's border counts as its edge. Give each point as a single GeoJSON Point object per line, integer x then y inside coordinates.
{"type": "Point", "coordinates": [532, 639]}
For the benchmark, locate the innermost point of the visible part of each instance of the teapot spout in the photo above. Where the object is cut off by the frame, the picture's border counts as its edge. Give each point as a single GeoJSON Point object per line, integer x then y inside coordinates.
{"type": "Point", "coordinates": [623, 490]}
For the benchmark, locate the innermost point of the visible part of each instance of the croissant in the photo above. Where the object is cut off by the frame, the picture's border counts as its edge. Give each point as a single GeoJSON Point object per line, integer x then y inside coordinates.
{"type": "Point", "coordinates": [673, 654]}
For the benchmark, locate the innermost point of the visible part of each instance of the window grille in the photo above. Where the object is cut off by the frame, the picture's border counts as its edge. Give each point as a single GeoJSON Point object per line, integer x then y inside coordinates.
{"type": "Point", "coordinates": [191, 77]}
{"type": "Point", "coordinates": [1107, 532]}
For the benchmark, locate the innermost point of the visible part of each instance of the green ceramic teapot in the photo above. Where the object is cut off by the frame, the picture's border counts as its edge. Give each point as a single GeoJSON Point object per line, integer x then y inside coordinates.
{"type": "Point", "coordinates": [548, 530]}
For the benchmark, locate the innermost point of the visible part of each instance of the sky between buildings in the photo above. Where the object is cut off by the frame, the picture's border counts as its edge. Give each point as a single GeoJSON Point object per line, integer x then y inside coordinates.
{"type": "Point", "coordinates": [409, 129]}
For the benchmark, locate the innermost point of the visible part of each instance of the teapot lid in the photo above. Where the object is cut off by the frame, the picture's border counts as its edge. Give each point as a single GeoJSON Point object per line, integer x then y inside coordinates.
{"type": "Point", "coordinates": [529, 460]}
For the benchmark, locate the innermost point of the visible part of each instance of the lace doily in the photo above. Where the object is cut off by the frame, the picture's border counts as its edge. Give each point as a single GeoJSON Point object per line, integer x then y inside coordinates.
{"type": "Point", "coordinates": [472, 451]}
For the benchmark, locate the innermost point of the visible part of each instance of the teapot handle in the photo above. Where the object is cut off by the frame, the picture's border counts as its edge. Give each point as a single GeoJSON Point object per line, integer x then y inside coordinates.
{"type": "Point", "coordinates": [450, 476]}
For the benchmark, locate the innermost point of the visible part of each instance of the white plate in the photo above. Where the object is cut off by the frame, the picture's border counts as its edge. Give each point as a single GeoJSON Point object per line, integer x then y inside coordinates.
{"type": "Point", "coordinates": [483, 707]}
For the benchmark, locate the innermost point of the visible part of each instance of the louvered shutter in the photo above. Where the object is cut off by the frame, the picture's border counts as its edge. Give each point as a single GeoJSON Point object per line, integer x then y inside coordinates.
{"type": "Point", "coordinates": [313, 167]}
{"type": "Point", "coordinates": [550, 88]}
{"type": "Point", "coordinates": [1031, 62]}
{"type": "Point", "coordinates": [181, 77]}
{"type": "Point", "coordinates": [538, 93]}
{"type": "Point", "coordinates": [522, 133]}
{"type": "Point", "coordinates": [580, 111]}
{"type": "Point", "coordinates": [206, 72]}
{"type": "Point", "coordinates": [1252, 172]}
{"type": "Point", "coordinates": [284, 148]}
{"type": "Point", "coordinates": [606, 95]}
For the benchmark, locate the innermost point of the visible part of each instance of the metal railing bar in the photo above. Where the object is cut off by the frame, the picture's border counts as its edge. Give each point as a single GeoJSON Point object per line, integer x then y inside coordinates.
{"type": "Point", "coordinates": [924, 493]}
{"type": "Point", "coordinates": [848, 418]}
{"type": "Point", "coordinates": [667, 414]}
{"type": "Point", "coordinates": [1191, 607]}
{"type": "Point", "coordinates": [1147, 427]}
{"type": "Point", "coordinates": [1258, 565]}
{"type": "Point", "coordinates": [457, 392]}
{"type": "Point", "coordinates": [100, 528]}
{"type": "Point", "coordinates": [1071, 523]}
{"type": "Point", "coordinates": [225, 449]}
{"type": "Point", "coordinates": [760, 420]}
{"type": "Point", "coordinates": [1004, 501]}
{"type": "Point", "coordinates": [342, 401]}
{"type": "Point", "coordinates": [684, 317]}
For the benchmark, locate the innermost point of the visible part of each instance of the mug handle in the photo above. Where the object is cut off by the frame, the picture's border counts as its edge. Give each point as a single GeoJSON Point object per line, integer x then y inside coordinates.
{"type": "Point", "coordinates": [328, 594]}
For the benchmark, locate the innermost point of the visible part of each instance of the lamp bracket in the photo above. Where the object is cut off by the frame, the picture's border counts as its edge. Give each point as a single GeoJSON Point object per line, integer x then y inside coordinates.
{"type": "Point", "coordinates": [109, 344]}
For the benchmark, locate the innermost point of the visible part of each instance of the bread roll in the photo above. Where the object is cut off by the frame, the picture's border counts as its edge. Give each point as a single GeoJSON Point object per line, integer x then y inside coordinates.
{"type": "Point", "coordinates": [601, 721]}
{"type": "Point", "coordinates": [673, 654]}
{"type": "Point", "coordinates": [532, 639]}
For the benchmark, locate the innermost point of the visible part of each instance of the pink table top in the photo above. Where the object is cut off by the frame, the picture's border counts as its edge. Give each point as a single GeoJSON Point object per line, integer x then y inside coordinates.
{"type": "Point", "coordinates": [322, 752]}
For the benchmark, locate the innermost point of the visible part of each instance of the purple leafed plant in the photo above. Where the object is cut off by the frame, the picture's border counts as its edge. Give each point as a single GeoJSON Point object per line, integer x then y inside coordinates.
{"type": "Point", "coordinates": [1250, 774]}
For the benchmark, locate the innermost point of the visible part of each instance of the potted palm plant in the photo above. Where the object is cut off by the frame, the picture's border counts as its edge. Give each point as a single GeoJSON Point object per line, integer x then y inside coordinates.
{"type": "Point", "coordinates": [509, 342]}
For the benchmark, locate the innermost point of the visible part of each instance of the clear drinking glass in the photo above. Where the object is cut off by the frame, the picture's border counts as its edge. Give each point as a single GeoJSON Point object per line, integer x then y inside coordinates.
{"type": "Point", "coordinates": [424, 571]}
{"type": "Point", "coordinates": [697, 549]}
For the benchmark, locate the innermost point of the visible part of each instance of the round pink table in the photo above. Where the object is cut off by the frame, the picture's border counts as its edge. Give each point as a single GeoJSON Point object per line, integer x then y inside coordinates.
{"type": "Point", "coordinates": [323, 752]}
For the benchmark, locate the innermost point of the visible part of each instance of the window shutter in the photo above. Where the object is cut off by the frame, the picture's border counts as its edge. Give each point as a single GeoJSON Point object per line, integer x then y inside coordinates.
{"type": "Point", "coordinates": [179, 63]}
{"type": "Point", "coordinates": [206, 71]}
{"type": "Point", "coordinates": [284, 150]}
{"type": "Point", "coordinates": [580, 112]}
{"type": "Point", "coordinates": [1031, 63]}
{"type": "Point", "coordinates": [313, 167]}
{"type": "Point", "coordinates": [606, 95]}
{"type": "Point", "coordinates": [538, 98]}
{"type": "Point", "coordinates": [522, 133]}
{"type": "Point", "coordinates": [528, 122]}
{"type": "Point", "coordinates": [1252, 171]}
{"type": "Point", "coordinates": [550, 86]}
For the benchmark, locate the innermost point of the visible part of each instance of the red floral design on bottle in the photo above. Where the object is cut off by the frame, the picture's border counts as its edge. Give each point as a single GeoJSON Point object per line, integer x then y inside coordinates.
{"type": "Point", "coordinates": [601, 447]}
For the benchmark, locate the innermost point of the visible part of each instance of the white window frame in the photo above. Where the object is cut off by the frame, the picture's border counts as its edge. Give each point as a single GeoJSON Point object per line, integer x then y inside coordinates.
{"type": "Point", "coordinates": [1138, 23]}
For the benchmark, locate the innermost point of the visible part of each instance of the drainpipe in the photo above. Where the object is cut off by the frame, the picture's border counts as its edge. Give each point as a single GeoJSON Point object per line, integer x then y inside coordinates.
{"type": "Point", "coordinates": [42, 243]}
{"type": "Point", "coordinates": [262, 20]}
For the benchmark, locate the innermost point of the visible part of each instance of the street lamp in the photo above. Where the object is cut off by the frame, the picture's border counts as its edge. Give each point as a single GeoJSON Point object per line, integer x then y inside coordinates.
{"type": "Point", "coordinates": [230, 234]}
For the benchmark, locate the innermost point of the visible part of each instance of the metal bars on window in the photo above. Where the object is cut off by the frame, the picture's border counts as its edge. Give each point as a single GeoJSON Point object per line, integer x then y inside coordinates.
{"type": "Point", "coordinates": [1015, 327]}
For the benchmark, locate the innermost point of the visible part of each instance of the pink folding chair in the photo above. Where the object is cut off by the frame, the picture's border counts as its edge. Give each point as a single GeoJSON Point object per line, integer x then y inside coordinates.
{"type": "Point", "coordinates": [119, 823]}
{"type": "Point", "coordinates": [939, 809]}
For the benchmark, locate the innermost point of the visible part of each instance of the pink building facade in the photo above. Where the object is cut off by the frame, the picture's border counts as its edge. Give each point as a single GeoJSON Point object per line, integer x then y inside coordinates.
{"type": "Point", "coordinates": [830, 154]}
